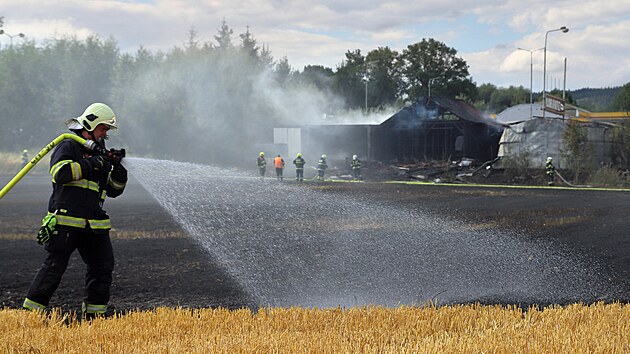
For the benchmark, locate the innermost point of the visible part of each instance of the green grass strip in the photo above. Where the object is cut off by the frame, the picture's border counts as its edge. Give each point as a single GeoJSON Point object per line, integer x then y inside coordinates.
{"type": "Point", "coordinates": [445, 184]}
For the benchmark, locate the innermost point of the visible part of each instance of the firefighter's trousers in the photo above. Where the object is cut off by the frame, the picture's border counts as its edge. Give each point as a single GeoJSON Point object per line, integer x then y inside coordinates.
{"type": "Point", "coordinates": [96, 252]}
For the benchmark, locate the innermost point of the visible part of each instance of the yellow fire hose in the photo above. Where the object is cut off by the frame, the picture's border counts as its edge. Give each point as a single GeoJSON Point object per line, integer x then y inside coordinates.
{"type": "Point", "coordinates": [87, 143]}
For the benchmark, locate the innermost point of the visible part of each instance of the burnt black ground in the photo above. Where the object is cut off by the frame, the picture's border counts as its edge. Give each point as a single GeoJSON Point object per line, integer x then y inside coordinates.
{"type": "Point", "coordinates": [157, 265]}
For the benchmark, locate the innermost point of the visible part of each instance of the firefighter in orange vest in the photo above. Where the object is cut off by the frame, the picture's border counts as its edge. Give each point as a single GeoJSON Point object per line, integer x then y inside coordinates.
{"type": "Point", "coordinates": [278, 162]}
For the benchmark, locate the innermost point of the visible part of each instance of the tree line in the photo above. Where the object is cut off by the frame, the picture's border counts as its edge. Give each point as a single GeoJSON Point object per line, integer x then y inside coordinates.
{"type": "Point", "coordinates": [202, 100]}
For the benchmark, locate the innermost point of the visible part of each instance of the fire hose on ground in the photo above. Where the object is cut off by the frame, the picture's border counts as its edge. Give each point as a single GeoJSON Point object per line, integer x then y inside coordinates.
{"type": "Point", "coordinates": [89, 144]}
{"type": "Point", "coordinates": [569, 184]}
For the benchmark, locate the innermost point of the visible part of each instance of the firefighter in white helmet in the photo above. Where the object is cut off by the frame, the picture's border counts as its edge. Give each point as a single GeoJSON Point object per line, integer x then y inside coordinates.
{"type": "Point", "coordinates": [321, 168]}
{"type": "Point", "coordinates": [24, 158]}
{"type": "Point", "coordinates": [356, 167]}
{"type": "Point", "coordinates": [76, 219]}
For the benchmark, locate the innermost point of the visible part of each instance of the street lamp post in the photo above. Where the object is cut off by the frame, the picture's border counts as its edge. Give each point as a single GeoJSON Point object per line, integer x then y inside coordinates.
{"type": "Point", "coordinates": [430, 80]}
{"type": "Point", "coordinates": [21, 35]}
{"type": "Point", "coordinates": [531, 78]}
{"type": "Point", "coordinates": [366, 79]}
{"type": "Point", "coordinates": [564, 29]}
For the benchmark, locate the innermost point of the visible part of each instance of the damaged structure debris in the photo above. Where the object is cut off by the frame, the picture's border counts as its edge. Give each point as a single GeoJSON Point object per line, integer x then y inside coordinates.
{"type": "Point", "coordinates": [535, 139]}
{"type": "Point", "coordinates": [432, 129]}
{"type": "Point", "coordinates": [439, 128]}
{"type": "Point", "coordinates": [439, 138]}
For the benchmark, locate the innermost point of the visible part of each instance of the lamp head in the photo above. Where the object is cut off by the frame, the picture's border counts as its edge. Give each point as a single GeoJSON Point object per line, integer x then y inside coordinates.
{"type": "Point", "coordinates": [564, 29]}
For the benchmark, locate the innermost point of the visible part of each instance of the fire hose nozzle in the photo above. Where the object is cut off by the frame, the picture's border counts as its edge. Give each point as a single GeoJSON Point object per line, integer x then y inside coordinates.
{"type": "Point", "coordinates": [116, 155]}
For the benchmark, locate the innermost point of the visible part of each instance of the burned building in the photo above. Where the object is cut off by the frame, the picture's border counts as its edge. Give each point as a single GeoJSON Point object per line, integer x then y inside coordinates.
{"type": "Point", "coordinates": [437, 128]}
{"type": "Point", "coordinates": [431, 129]}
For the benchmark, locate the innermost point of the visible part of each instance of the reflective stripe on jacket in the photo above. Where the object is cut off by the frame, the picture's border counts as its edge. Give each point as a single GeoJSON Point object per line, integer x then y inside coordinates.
{"type": "Point", "coordinates": [321, 165]}
{"type": "Point", "coordinates": [550, 168]}
{"type": "Point", "coordinates": [65, 220]}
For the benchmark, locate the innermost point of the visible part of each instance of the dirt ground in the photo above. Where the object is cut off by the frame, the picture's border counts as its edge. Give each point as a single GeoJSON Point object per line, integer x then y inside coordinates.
{"type": "Point", "coordinates": [158, 265]}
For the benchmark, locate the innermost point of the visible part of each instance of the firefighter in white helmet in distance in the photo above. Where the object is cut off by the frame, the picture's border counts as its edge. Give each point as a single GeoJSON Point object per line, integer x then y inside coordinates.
{"type": "Point", "coordinates": [24, 158]}
{"type": "Point", "coordinates": [356, 167]}
{"type": "Point", "coordinates": [76, 220]}
{"type": "Point", "coordinates": [321, 168]}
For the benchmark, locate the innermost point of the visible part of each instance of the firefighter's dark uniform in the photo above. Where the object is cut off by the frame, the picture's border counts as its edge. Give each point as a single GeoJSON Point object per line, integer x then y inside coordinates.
{"type": "Point", "coordinates": [356, 168]}
{"type": "Point", "coordinates": [299, 168]}
{"type": "Point", "coordinates": [80, 185]}
{"type": "Point", "coordinates": [321, 168]}
{"type": "Point", "coordinates": [551, 171]}
{"type": "Point", "coordinates": [262, 165]}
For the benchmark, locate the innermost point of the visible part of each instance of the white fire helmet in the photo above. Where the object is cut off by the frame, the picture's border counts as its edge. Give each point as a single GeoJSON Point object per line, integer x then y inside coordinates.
{"type": "Point", "coordinates": [354, 157]}
{"type": "Point", "coordinates": [549, 158]}
{"type": "Point", "coordinates": [95, 114]}
{"type": "Point", "coordinates": [324, 157]}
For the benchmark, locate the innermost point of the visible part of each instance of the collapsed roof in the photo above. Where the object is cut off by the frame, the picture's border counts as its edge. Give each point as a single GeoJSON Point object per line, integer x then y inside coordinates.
{"type": "Point", "coordinates": [437, 108]}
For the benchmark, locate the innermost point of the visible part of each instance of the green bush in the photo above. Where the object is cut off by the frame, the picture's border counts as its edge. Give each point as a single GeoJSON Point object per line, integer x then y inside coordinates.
{"type": "Point", "coordinates": [609, 177]}
{"type": "Point", "coordinates": [517, 165]}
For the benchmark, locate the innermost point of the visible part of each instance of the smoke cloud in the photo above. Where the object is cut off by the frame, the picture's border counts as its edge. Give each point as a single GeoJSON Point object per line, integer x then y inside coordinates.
{"type": "Point", "coordinates": [218, 108]}
{"type": "Point", "coordinates": [213, 110]}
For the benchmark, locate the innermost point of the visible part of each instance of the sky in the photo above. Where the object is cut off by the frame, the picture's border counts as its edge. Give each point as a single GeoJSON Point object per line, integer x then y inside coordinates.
{"type": "Point", "coordinates": [485, 33]}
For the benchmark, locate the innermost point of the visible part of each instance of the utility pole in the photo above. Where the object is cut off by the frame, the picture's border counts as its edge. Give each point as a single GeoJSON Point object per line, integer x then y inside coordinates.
{"type": "Point", "coordinates": [531, 79]}
{"type": "Point", "coordinates": [365, 78]}
{"type": "Point", "coordinates": [564, 82]}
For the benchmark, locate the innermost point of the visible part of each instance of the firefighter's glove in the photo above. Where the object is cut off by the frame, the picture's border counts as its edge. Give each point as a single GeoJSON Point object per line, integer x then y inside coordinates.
{"type": "Point", "coordinates": [119, 173]}
{"type": "Point", "coordinates": [97, 165]}
{"type": "Point", "coordinates": [48, 228]}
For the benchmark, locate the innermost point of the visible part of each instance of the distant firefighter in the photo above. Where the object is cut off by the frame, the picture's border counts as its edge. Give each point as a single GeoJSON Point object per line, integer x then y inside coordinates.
{"type": "Point", "coordinates": [262, 164]}
{"type": "Point", "coordinates": [321, 168]}
{"type": "Point", "coordinates": [356, 167]}
{"type": "Point", "coordinates": [551, 171]}
{"type": "Point", "coordinates": [278, 162]}
{"type": "Point", "coordinates": [25, 158]}
{"type": "Point", "coordinates": [299, 167]}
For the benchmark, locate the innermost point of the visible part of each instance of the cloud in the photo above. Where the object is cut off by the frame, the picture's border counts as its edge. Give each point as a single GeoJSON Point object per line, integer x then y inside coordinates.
{"type": "Point", "coordinates": [389, 36]}
{"type": "Point", "coordinates": [484, 32]}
